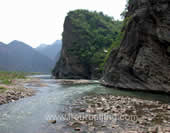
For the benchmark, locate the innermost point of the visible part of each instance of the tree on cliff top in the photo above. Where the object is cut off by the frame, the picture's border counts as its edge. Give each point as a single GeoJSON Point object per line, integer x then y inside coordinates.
{"type": "Point", "coordinates": [96, 34]}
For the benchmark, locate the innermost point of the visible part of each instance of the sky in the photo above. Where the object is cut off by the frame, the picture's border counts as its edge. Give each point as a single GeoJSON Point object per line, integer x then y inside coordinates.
{"type": "Point", "coordinates": [37, 22]}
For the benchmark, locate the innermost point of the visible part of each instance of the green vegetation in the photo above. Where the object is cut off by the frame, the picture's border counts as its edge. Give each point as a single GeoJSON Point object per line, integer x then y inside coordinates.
{"type": "Point", "coordinates": [7, 77]}
{"type": "Point", "coordinates": [123, 14]}
{"type": "Point", "coordinates": [2, 89]}
{"type": "Point", "coordinates": [116, 44]}
{"type": "Point", "coordinates": [95, 35]}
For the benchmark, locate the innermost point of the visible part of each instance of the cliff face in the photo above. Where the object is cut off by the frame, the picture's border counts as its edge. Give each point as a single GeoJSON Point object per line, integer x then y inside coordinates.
{"type": "Point", "coordinates": [143, 60]}
{"type": "Point", "coordinates": [69, 66]}
{"type": "Point", "coordinates": [86, 38]}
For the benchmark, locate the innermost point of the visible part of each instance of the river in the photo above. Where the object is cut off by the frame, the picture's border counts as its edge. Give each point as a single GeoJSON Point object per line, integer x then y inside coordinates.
{"type": "Point", "coordinates": [29, 115]}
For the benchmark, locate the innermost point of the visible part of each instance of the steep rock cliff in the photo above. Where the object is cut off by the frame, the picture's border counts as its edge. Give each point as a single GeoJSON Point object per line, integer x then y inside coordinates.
{"type": "Point", "coordinates": [143, 60]}
{"type": "Point", "coordinates": [86, 38]}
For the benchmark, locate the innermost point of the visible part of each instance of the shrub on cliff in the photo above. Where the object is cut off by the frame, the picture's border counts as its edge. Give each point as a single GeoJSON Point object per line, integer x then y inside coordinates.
{"type": "Point", "coordinates": [97, 33]}
{"type": "Point", "coordinates": [88, 36]}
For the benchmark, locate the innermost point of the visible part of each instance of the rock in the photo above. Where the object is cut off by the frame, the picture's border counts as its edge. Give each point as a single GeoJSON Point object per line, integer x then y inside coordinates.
{"type": "Point", "coordinates": [160, 108]}
{"type": "Point", "coordinates": [142, 62]}
{"type": "Point", "coordinates": [152, 130]}
{"type": "Point", "coordinates": [166, 129]}
{"type": "Point", "coordinates": [164, 106]}
{"type": "Point", "coordinates": [92, 106]}
{"type": "Point", "coordinates": [164, 121]}
{"type": "Point", "coordinates": [99, 109]}
{"type": "Point", "coordinates": [168, 108]}
{"type": "Point", "coordinates": [131, 132]}
{"type": "Point", "coordinates": [115, 126]}
{"type": "Point", "coordinates": [155, 129]}
{"type": "Point", "coordinates": [78, 41]}
{"type": "Point", "coordinates": [99, 104]}
{"type": "Point", "coordinates": [114, 110]}
{"type": "Point", "coordinates": [138, 122]}
{"type": "Point", "coordinates": [134, 112]}
{"type": "Point", "coordinates": [103, 126]}
{"type": "Point", "coordinates": [12, 100]}
{"type": "Point", "coordinates": [159, 130]}
{"type": "Point", "coordinates": [52, 121]}
{"type": "Point", "coordinates": [77, 129]}
{"type": "Point", "coordinates": [106, 109]}
{"type": "Point", "coordinates": [90, 110]}
{"type": "Point", "coordinates": [76, 123]}
{"type": "Point", "coordinates": [129, 107]}
{"type": "Point", "coordinates": [103, 99]}
{"type": "Point", "coordinates": [118, 106]}
{"type": "Point", "coordinates": [91, 129]}
{"type": "Point", "coordinates": [82, 110]}
{"type": "Point", "coordinates": [149, 119]}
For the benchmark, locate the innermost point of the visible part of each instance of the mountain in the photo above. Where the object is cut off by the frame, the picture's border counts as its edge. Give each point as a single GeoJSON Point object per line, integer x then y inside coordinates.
{"type": "Point", "coordinates": [87, 37]}
{"type": "Point", "coordinates": [18, 56]}
{"type": "Point", "coordinates": [143, 60]}
{"type": "Point", "coordinates": [41, 47]}
{"type": "Point", "coordinates": [52, 51]}
{"type": "Point", "coordinates": [2, 44]}
{"type": "Point", "coordinates": [3, 56]}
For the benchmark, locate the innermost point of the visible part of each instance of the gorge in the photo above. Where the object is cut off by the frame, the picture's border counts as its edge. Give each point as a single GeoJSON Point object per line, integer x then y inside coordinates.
{"type": "Point", "coordinates": [142, 61]}
{"type": "Point", "coordinates": [110, 76]}
{"type": "Point", "coordinates": [87, 36]}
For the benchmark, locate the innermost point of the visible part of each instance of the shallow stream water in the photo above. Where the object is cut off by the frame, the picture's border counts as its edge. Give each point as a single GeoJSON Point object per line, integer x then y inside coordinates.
{"type": "Point", "coordinates": [29, 115]}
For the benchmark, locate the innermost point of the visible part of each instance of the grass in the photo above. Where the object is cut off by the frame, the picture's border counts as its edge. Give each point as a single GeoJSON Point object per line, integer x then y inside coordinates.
{"type": "Point", "coordinates": [2, 89]}
{"type": "Point", "coordinates": [7, 77]}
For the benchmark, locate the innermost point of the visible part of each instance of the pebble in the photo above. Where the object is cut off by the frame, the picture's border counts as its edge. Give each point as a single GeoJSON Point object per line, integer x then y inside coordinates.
{"type": "Point", "coordinates": [77, 129]}
{"type": "Point", "coordinates": [167, 129]}
{"type": "Point", "coordinates": [99, 104]}
{"type": "Point", "coordinates": [131, 132]}
{"type": "Point", "coordinates": [115, 126]}
{"type": "Point", "coordinates": [52, 121]}
{"type": "Point", "coordinates": [124, 106]}
{"type": "Point", "coordinates": [168, 107]}
{"type": "Point", "coordinates": [99, 132]}
{"type": "Point", "coordinates": [82, 110]}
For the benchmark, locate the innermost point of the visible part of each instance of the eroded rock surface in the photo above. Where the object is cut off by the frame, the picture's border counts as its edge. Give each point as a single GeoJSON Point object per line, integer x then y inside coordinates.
{"type": "Point", "coordinates": [143, 60]}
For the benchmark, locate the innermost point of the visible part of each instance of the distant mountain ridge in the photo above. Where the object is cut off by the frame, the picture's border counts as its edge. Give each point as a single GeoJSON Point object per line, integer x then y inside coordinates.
{"type": "Point", "coordinates": [52, 51]}
{"type": "Point", "coordinates": [41, 46]}
{"type": "Point", "coordinates": [18, 56]}
{"type": "Point", "coordinates": [1, 43]}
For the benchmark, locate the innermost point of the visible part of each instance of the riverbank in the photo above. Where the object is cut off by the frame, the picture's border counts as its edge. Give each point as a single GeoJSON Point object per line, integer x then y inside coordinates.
{"type": "Point", "coordinates": [76, 82]}
{"type": "Point", "coordinates": [17, 90]}
{"type": "Point", "coordinates": [120, 114]}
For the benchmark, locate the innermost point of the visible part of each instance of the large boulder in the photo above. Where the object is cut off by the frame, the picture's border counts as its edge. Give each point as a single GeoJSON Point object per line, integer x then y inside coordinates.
{"type": "Point", "coordinates": [143, 60]}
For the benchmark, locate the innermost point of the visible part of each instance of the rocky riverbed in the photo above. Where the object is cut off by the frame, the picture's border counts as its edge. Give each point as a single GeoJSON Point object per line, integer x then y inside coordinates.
{"type": "Point", "coordinates": [118, 114]}
{"type": "Point", "coordinates": [17, 90]}
{"type": "Point", "coordinates": [76, 82]}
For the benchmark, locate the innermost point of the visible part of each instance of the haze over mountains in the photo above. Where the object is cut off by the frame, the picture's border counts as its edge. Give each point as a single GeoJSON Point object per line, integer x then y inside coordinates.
{"type": "Point", "coordinates": [52, 51]}
{"type": "Point", "coordinates": [18, 56]}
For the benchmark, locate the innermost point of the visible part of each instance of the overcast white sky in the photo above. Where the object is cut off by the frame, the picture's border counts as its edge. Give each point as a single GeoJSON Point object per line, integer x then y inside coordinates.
{"type": "Point", "coordinates": [41, 21]}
